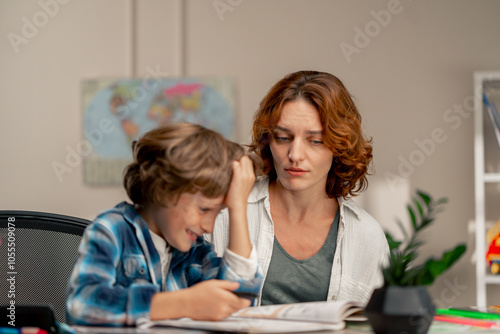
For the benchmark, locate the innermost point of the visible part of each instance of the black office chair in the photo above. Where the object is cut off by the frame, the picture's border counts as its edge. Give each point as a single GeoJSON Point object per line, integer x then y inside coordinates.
{"type": "Point", "coordinates": [37, 253]}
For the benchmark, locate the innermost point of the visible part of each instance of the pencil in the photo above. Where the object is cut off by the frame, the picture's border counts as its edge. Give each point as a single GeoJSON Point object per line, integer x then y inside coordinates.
{"type": "Point", "coordinates": [468, 314]}
{"type": "Point", "coordinates": [466, 321]}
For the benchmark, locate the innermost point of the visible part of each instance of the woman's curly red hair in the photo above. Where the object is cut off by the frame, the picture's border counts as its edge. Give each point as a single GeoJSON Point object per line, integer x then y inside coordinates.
{"type": "Point", "coordinates": [341, 128]}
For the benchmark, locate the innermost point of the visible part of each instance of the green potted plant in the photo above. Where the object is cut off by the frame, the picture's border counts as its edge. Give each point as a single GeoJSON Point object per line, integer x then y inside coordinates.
{"type": "Point", "coordinates": [403, 303]}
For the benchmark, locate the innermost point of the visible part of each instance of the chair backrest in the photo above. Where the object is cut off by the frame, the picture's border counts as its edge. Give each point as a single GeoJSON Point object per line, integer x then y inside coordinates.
{"type": "Point", "coordinates": [37, 254]}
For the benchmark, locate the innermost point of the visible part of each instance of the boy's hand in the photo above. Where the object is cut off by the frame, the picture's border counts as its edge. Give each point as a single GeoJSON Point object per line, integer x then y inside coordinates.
{"type": "Point", "coordinates": [242, 182]}
{"type": "Point", "coordinates": [236, 201]}
{"type": "Point", "coordinates": [209, 300]}
{"type": "Point", "coordinates": [214, 300]}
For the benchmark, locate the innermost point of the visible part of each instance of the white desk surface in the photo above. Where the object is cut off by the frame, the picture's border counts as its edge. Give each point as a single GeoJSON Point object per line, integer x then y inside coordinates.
{"type": "Point", "coordinates": [437, 327]}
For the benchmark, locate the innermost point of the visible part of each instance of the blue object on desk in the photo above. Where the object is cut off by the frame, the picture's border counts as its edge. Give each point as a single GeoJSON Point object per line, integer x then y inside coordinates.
{"type": "Point", "coordinates": [246, 295]}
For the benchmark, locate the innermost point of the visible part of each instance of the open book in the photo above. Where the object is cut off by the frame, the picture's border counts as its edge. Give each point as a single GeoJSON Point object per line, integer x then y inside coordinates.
{"type": "Point", "coordinates": [284, 318]}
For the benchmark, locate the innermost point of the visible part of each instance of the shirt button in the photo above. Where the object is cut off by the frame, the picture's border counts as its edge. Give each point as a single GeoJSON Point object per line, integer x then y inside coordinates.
{"type": "Point", "coordinates": [333, 297]}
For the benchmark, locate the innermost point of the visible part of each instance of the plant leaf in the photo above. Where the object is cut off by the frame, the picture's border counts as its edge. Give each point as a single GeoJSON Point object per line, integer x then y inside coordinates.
{"type": "Point", "coordinates": [400, 270]}
{"type": "Point", "coordinates": [402, 228]}
{"type": "Point", "coordinates": [419, 207]}
{"type": "Point", "coordinates": [425, 197]}
{"type": "Point", "coordinates": [413, 218]}
{"type": "Point", "coordinates": [433, 268]}
{"type": "Point", "coordinates": [426, 222]}
{"type": "Point", "coordinates": [442, 200]}
{"type": "Point", "coordinates": [393, 244]}
{"type": "Point", "coordinates": [411, 247]}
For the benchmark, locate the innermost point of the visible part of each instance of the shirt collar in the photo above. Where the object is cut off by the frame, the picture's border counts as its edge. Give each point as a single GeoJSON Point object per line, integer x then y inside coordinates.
{"type": "Point", "coordinates": [160, 244]}
{"type": "Point", "coordinates": [261, 191]}
{"type": "Point", "coordinates": [350, 205]}
{"type": "Point", "coordinates": [132, 216]}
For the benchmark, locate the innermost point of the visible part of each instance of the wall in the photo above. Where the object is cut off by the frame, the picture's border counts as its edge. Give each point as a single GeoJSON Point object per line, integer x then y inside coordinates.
{"type": "Point", "coordinates": [409, 65]}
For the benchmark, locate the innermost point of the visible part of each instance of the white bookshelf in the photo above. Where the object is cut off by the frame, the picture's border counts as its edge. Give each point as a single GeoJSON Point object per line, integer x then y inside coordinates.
{"type": "Point", "coordinates": [492, 177]}
{"type": "Point", "coordinates": [481, 179]}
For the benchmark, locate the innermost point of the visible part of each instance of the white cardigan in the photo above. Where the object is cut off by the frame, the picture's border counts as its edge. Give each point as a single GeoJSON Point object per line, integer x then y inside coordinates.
{"type": "Point", "coordinates": [361, 244]}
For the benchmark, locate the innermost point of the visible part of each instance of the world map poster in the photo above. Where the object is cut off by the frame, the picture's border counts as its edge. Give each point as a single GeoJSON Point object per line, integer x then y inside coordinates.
{"type": "Point", "coordinates": [118, 111]}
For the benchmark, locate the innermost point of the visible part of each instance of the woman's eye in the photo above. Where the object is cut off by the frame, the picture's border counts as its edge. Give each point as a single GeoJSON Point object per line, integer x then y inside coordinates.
{"type": "Point", "coordinates": [317, 142]}
{"type": "Point", "coordinates": [204, 209]}
{"type": "Point", "coordinates": [281, 139]}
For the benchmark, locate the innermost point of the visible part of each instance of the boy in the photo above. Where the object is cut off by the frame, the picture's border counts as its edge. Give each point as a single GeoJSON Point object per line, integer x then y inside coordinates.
{"type": "Point", "coordinates": [149, 259]}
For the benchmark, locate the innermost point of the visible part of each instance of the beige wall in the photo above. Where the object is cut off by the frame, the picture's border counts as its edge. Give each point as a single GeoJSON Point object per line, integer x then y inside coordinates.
{"type": "Point", "coordinates": [414, 68]}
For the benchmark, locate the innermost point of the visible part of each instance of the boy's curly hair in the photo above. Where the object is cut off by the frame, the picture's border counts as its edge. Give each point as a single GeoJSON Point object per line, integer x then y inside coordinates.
{"type": "Point", "coordinates": [178, 158]}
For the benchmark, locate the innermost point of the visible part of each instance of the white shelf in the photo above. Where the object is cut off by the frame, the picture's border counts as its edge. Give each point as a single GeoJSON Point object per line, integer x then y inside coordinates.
{"type": "Point", "coordinates": [481, 178]}
{"type": "Point", "coordinates": [492, 177]}
{"type": "Point", "coordinates": [492, 279]}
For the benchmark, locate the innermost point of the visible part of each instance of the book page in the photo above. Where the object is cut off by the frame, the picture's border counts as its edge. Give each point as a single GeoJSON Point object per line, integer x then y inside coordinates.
{"type": "Point", "coordinates": [330, 312]}
{"type": "Point", "coordinates": [285, 318]}
{"type": "Point", "coordinates": [248, 325]}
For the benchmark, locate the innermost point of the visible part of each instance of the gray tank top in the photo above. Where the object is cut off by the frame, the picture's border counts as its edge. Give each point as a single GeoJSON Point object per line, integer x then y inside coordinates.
{"type": "Point", "coordinates": [289, 280]}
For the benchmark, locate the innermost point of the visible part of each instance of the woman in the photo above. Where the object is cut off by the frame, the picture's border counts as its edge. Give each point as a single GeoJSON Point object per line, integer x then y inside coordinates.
{"type": "Point", "coordinates": [313, 241]}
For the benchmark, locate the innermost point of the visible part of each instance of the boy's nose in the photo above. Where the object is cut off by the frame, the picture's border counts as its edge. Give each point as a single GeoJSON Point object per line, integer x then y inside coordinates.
{"type": "Point", "coordinates": [207, 225]}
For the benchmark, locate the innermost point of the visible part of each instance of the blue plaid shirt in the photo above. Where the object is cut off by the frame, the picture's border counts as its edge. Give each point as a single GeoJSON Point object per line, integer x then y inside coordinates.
{"type": "Point", "coordinates": [118, 270]}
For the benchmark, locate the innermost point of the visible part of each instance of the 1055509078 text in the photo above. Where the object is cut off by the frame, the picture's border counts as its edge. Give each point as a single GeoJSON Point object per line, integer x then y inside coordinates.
{"type": "Point", "coordinates": [11, 270]}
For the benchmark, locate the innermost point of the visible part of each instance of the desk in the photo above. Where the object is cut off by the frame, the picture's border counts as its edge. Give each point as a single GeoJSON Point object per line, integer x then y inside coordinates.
{"type": "Point", "coordinates": [437, 327]}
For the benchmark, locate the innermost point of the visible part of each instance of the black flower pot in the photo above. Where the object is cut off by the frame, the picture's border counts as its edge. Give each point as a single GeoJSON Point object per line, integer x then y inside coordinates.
{"type": "Point", "coordinates": [395, 310]}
